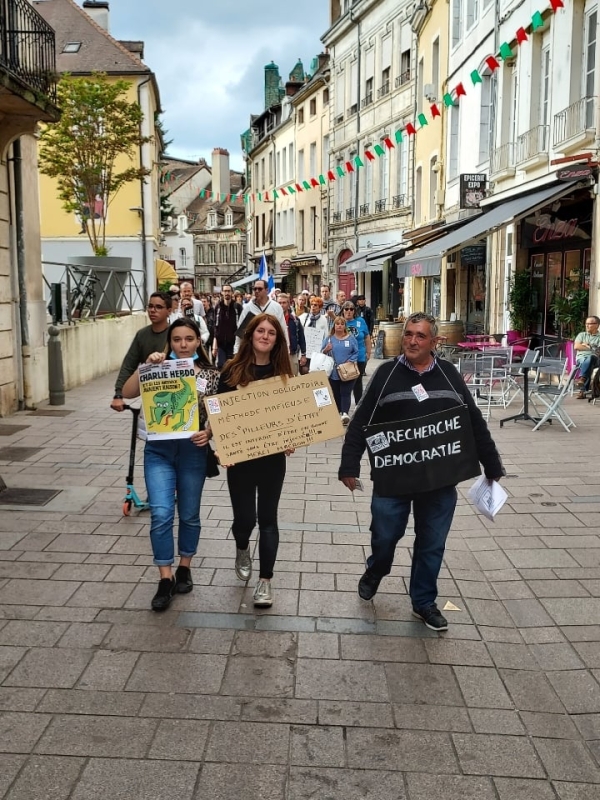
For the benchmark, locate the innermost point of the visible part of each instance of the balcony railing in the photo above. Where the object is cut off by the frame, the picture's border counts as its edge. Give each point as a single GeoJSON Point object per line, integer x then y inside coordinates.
{"type": "Point", "coordinates": [352, 110]}
{"type": "Point", "coordinates": [532, 143]}
{"type": "Point", "coordinates": [403, 78]}
{"type": "Point", "coordinates": [575, 120]}
{"type": "Point", "coordinates": [367, 100]}
{"type": "Point", "coordinates": [383, 90]}
{"type": "Point", "coordinates": [364, 210]}
{"type": "Point", "coordinates": [336, 216]}
{"type": "Point", "coordinates": [380, 206]}
{"type": "Point", "coordinates": [398, 201]}
{"type": "Point", "coordinates": [349, 213]}
{"type": "Point", "coordinates": [503, 158]}
{"type": "Point", "coordinates": [27, 46]}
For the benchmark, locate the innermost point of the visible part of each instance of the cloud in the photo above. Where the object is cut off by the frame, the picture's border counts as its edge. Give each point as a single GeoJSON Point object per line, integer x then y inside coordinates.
{"type": "Point", "coordinates": [209, 61]}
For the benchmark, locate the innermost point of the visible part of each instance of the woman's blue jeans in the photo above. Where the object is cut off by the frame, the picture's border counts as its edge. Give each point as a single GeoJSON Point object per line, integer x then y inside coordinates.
{"type": "Point", "coordinates": [433, 513]}
{"type": "Point", "coordinates": [170, 466]}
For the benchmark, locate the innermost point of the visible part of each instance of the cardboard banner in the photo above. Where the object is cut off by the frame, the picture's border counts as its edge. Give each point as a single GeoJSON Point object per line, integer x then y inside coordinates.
{"type": "Point", "coordinates": [169, 399]}
{"type": "Point", "coordinates": [314, 340]}
{"type": "Point", "coordinates": [422, 454]}
{"type": "Point", "coordinates": [271, 416]}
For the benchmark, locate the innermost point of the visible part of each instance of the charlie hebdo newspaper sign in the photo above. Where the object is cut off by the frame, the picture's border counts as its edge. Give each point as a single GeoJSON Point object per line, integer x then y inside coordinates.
{"type": "Point", "coordinates": [271, 416]}
{"type": "Point", "coordinates": [422, 454]}
{"type": "Point", "coordinates": [169, 399]}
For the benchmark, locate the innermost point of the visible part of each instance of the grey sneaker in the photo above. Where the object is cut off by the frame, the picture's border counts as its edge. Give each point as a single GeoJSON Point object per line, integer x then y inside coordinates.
{"type": "Point", "coordinates": [243, 564]}
{"type": "Point", "coordinates": [263, 594]}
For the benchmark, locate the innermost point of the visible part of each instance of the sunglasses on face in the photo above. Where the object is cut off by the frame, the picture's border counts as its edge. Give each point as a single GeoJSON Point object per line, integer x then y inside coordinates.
{"type": "Point", "coordinates": [152, 307]}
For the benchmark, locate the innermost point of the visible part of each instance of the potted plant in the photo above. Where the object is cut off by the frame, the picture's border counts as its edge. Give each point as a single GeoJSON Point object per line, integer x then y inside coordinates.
{"type": "Point", "coordinates": [571, 308]}
{"type": "Point", "coordinates": [521, 310]}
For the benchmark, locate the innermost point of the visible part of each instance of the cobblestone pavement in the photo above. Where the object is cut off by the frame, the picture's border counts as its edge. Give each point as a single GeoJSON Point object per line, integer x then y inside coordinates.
{"type": "Point", "coordinates": [324, 696]}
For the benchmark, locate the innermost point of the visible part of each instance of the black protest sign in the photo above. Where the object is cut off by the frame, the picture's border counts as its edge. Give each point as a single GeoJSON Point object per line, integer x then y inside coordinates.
{"type": "Point", "coordinates": [422, 454]}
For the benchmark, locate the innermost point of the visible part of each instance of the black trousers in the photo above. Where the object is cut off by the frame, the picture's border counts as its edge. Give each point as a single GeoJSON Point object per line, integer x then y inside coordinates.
{"type": "Point", "coordinates": [255, 488]}
{"type": "Point", "coordinates": [358, 384]}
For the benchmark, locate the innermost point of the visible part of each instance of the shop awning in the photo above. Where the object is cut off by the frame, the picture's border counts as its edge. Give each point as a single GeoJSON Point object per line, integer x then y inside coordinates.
{"type": "Point", "coordinates": [428, 260]}
{"type": "Point", "coordinates": [247, 279]}
{"type": "Point", "coordinates": [371, 259]}
{"type": "Point", "coordinates": [165, 272]}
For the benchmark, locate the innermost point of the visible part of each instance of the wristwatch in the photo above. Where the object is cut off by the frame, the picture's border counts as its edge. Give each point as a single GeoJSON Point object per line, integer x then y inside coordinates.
{"type": "Point", "coordinates": [118, 396]}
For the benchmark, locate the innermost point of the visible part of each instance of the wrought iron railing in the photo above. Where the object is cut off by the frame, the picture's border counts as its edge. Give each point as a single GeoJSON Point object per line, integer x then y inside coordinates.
{"type": "Point", "coordinates": [380, 206]}
{"type": "Point", "coordinates": [27, 46]}
{"type": "Point", "coordinates": [364, 210]}
{"type": "Point", "coordinates": [367, 100]}
{"type": "Point", "coordinates": [398, 201]}
{"type": "Point", "coordinates": [574, 120]}
{"type": "Point", "coordinates": [403, 78]}
{"type": "Point", "coordinates": [532, 143]}
{"type": "Point", "coordinates": [502, 158]}
{"type": "Point", "coordinates": [336, 216]}
{"type": "Point", "coordinates": [89, 293]}
{"type": "Point", "coordinates": [349, 213]}
{"type": "Point", "coordinates": [383, 90]}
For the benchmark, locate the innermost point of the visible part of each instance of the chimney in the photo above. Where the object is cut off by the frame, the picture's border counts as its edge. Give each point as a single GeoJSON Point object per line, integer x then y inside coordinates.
{"type": "Point", "coordinates": [99, 11]}
{"type": "Point", "coordinates": [272, 85]}
{"type": "Point", "coordinates": [221, 183]}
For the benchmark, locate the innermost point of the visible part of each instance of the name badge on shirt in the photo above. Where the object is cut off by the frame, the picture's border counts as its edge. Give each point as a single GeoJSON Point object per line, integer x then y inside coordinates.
{"type": "Point", "coordinates": [346, 343]}
{"type": "Point", "coordinates": [201, 384]}
{"type": "Point", "coordinates": [419, 392]}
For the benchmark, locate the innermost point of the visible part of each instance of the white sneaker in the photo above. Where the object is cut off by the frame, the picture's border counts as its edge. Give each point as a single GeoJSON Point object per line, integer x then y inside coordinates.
{"type": "Point", "coordinates": [345, 419]}
{"type": "Point", "coordinates": [263, 594]}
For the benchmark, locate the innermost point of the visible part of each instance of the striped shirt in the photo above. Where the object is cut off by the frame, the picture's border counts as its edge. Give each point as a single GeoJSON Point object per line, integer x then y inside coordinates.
{"type": "Point", "coordinates": [404, 360]}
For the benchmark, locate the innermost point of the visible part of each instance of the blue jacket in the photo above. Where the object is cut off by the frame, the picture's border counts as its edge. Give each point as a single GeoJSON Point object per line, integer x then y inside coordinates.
{"type": "Point", "coordinates": [296, 334]}
{"type": "Point", "coordinates": [343, 350]}
{"type": "Point", "coordinates": [360, 330]}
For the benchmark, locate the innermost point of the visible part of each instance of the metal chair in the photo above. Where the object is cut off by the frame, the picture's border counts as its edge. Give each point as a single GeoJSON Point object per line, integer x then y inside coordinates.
{"type": "Point", "coordinates": [517, 370]}
{"type": "Point", "coordinates": [552, 394]}
{"type": "Point", "coordinates": [482, 373]}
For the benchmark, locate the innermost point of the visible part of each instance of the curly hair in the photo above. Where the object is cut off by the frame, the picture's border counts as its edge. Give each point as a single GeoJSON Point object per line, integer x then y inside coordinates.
{"type": "Point", "coordinates": [238, 371]}
{"type": "Point", "coordinates": [315, 299]}
{"type": "Point", "coordinates": [188, 322]}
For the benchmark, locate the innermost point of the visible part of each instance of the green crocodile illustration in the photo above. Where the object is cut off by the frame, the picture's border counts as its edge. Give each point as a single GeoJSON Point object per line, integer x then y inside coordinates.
{"type": "Point", "coordinates": [171, 404]}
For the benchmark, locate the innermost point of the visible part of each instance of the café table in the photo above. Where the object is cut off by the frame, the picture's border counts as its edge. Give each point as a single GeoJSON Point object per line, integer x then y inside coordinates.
{"type": "Point", "coordinates": [524, 413]}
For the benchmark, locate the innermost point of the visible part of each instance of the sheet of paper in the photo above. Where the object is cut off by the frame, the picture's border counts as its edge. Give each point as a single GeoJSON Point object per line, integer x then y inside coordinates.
{"type": "Point", "coordinates": [169, 399]}
{"type": "Point", "coordinates": [488, 497]}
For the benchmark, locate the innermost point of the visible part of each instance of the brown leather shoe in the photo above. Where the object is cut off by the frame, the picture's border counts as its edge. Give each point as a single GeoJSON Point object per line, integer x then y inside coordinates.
{"type": "Point", "coordinates": [580, 396]}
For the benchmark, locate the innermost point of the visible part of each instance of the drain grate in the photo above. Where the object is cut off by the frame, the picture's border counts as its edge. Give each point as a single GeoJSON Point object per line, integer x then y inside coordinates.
{"type": "Point", "coordinates": [27, 497]}
{"type": "Point", "coordinates": [8, 430]}
{"type": "Point", "coordinates": [49, 412]}
{"type": "Point", "coordinates": [18, 453]}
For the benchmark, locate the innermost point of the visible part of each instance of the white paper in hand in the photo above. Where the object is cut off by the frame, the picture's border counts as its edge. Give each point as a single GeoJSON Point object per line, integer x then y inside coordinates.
{"type": "Point", "coordinates": [487, 496]}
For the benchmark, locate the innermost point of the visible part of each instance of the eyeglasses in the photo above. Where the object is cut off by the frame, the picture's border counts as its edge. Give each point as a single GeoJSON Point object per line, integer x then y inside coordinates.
{"type": "Point", "coordinates": [152, 307]}
{"type": "Point", "coordinates": [257, 288]}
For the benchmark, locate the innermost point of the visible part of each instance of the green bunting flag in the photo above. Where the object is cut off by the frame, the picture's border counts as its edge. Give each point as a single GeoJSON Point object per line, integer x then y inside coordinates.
{"type": "Point", "coordinates": [537, 21]}
{"type": "Point", "coordinates": [422, 120]}
{"type": "Point", "coordinates": [340, 171]}
{"type": "Point", "coordinates": [322, 180]}
{"type": "Point", "coordinates": [275, 195]}
{"type": "Point", "coordinates": [398, 137]}
{"type": "Point", "coordinates": [358, 162]}
{"type": "Point", "coordinates": [306, 185]}
{"type": "Point", "coordinates": [505, 51]}
{"type": "Point", "coordinates": [476, 77]}
{"type": "Point", "coordinates": [202, 192]}
{"type": "Point", "coordinates": [291, 190]}
{"type": "Point", "coordinates": [378, 149]}
{"type": "Point", "coordinates": [260, 197]}
{"type": "Point", "coordinates": [448, 101]}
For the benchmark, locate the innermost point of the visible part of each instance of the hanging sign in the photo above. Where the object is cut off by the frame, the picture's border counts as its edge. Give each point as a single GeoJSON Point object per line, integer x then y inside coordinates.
{"type": "Point", "coordinates": [472, 190]}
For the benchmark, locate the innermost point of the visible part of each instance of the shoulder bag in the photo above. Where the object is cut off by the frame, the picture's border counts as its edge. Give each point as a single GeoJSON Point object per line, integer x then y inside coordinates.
{"type": "Point", "coordinates": [348, 371]}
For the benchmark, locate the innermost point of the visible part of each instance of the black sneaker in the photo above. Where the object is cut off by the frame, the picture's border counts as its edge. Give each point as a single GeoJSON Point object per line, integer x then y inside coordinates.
{"type": "Point", "coordinates": [183, 580]}
{"type": "Point", "coordinates": [368, 585]}
{"type": "Point", "coordinates": [162, 599]}
{"type": "Point", "coordinates": [432, 617]}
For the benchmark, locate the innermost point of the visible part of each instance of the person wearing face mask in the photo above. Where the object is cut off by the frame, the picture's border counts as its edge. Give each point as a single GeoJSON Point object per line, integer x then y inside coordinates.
{"type": "Point", "coordinates": [255, 486]}
{"type": "Point", "coordinates": [175, 469]}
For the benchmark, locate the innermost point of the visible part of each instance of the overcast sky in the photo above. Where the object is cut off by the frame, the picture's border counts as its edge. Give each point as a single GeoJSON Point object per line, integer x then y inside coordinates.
{"type": "Point", "coordinates": [209, 59]}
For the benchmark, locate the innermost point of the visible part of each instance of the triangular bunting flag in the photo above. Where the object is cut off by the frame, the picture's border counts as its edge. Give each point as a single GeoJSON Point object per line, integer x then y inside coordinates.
{"type": "Point", "coordinates": [521, 35]}
{"type": "Point", "coordinates": [283, 191]}
{"type": "Point", "coordinates": [537, 21]}
{"type": "Point", "coordinates": [388, 143]}
{"type": "Point", "coordinates": [259, 197]}
{"type": "Point", "coordinates": [299, 188]}
{"type": "Point", "coordinates": [330, 175]}
{"type": "Point", "coordinates": [476, 77]}
{"type": "Point", "coordinates": [556, 4]}
{"type": "Point", "coordinates": [505, 51]}
{"type": "Point", "coordinates": [314, 182]}
{"type": "Point", "coordinates": [340, 171]}
{"type": "Point", "coordinates": [275, 195]}
{"type": "Point", "coordinates": [349, 167]}
{"type": "Point", "coordinates": [410, 129]}
{"type": "Point", "coordinates": [435, 112]}
{"type": "Point", "coordinates": [379, 149]}
{"type": "Point", "coordinates": [369, 155]}
{"type": "Point", "coordinates": [447, 98]}
{"type": "Point", "coordinates": [322, 180]}
{"type": "Point", "coordinates": [492, 62]}
{"type": "Point", "coordinates": [202, 192]}
{"type": "Point", "coordinates": [358, 162]}
{"type": "Point", "coordinates": [422, 120]}
{"type": "Point", "coordinates": [291, 190]}
{"type": "Point", "coordinates": [398, 137]}
{"type": "Point", "coordinates": [306, 185]}
{"type": "Point", "coordinates": [460, 91]}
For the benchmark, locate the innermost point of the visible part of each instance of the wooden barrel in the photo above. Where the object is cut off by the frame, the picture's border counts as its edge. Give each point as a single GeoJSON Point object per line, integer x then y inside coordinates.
{"type": "Point", "coordinates": [392, 344]}
{"type": "Point", "coordinates": [453, 331]}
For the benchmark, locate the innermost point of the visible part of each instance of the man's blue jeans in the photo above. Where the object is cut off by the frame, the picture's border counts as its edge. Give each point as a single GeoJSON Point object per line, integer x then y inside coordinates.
{"type": "Point", "coordinates": [587, 365]}
{"type": "Point", "coordinates": [174, 465]}
{"type": "Point", "coordinates": [433, 513]}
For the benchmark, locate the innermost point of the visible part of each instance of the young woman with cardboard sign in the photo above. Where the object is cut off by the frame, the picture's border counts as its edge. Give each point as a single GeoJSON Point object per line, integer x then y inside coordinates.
{"type": "Point", "coordinates": [424, 435]}
{"type": "Point", "coordinates": [255, 486]}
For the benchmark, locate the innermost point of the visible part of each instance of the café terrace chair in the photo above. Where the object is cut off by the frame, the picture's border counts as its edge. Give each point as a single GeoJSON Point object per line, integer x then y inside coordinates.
{"type": "Point", "coordinates": [485, 374]}
{"type": "Point", "coordinates": [552, 394]}
{"type": "Point", "coordinates": [516, 372]}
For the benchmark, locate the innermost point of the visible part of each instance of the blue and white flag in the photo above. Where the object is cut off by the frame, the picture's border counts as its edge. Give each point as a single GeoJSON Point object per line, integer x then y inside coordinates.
{"type": "Point", "coordinates": [263, 270]}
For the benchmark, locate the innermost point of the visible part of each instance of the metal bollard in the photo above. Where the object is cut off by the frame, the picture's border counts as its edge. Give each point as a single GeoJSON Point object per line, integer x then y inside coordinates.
{"type": "Point", "coordinates": [56, 377]}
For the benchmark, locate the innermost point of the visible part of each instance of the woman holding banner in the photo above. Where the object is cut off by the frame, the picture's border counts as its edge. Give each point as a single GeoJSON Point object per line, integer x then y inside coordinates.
{"type": "Point", "coordinates": [177, 466]}
{"type": "Point", "coordinates": [255, 486]}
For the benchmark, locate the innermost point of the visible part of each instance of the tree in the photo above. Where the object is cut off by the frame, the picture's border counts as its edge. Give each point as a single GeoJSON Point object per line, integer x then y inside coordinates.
{"type": "Point", "coordinates": [88, 150]}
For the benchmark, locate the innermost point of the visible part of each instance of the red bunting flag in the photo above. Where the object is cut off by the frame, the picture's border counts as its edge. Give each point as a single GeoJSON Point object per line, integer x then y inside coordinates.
{"type": "Point", "coordinates": [283, 192]}
{"type": "Point", "coordinates": [410, 129]}
{"type": "Point", "coordinates": [267, 196]}
{"type": "Point", "coordinates": [492, 62]}
{"type": "Point", "coordinates": [369, 155]}
{"type": "Point", "coordinates": [556, 4]}
{"type": "Point", "coordinates": [349, 167]}
{"type": "Point", "coordinates": [314, 182]}
{"type": "Point", "coordinates": [435, 112]}
{"type": "Point", "coordinates": [388, 143]}
{"type": "Point", "coordinates": [521, 35]}
{"type": "Point", "coordinates": [460, 91]}
{"type": "Point", "coordinates": [330, 175]}
{"type": "Point", "coordinates": [299, 188]}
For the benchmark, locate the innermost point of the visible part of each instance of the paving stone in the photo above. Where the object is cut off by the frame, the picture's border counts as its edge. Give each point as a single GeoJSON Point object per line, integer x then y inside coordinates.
{"type": "Point", "coordinates": [565, 610]}
{"type": "Point", "coordinates": [78, 701]}
{"type": "Point", "coordinates": [551, 726]}
{"type": "Point", "coordinates": [215, 642]}
{"type": "Point", "coordinates": [496, 721]}
{"type": "Point", "coordinates": [512, 656]}
{"type": "Point", "coordinates": [101, 595]}
{"type": "Point", "coordinates": [576, 791]}
{"type": "Point", "coordinates": [249, 742]}
{"type": "Point", "coordinates": [531, 691]}
{"type": "Point", "coordinates": [449, 787]}
{"type": "Point", "coordinates": [566, 760]}
{"type": "Point", "coordinates": [66, 614]}
{"type": "Point", "coordinates": [482, 688]}
{"type": "Point", "coordinates": [108, 671]}
{"type": "Point", "coordinates": [189, 706]}
{"type": "Point", "coordinates": [136, 780]}
{"type": "Point", "coordinates": [37, 592]}
{"type": "Point", "coordinates": [9, 768]}
{"type": "Point", "coordinates": [333, 680]}
{"type": "Point", "coordinates": [487, 754]}
{"type": "Point", "coordinates": [406, 751]}
{"type": "Point", "coordinates": [432, 718]}
{"type": "Point", "coordinates": [9, 658]}
{"type": "Point", "coordinates": [556, 656]}
{"type": "Point", "coordinates": [81, 572]}
{"type": "Point", "coordinates": [46, 778]}
{"type": "Point", "coordinates": [317, 746]}
{"type": "Point", "coordinates": [577, 689]}
{"type": "Point", "coordinates": [20, 731]}
{"type": "Point", "coordinates": [15, 699]}
{"type": "Point", "coordinates": [146, 638]}
{"type": "Point", "coordinates": [81, 543]}
{"type": "Point", "coordinates": [26, 570]}
{"type": "Point", "coordinates": [527, 613]}
{"type": "Point", "coordinates": [319, 645]}
{"type": "Point", "coordinates": [258, 677]}
{"type": "Point", "coordinates": [280, 710]}
{"type": "Point", "coordinates": [428, 684]}
{"type": "Point", "coordinates": [337, 604]}
{"type": "Point", "coordinates": [102, 736]}
{"type": "Point", "coordinates": [542, 635]}
{"type": "Point", "coordinates": [188, 673]}
{"type": "Point", "coordinates": [180, 739]}
{"type": "Point", "coordinates": [51, 668]}
{"type": "Point", "coordinates": [489, 612]}
{"type": "Point", "coordinates": [554, 588]}
{"type": "Point", "coordinates": [268, 644]}
{"type": "Point", "coordinates": [588, 725]}
{"type": "Point", "coordinates": [355, 714]}
{"type": "Point", "coordinates": [376, 648]}
{"type": "Point", "coordinates": [522, 789]}
{"type": "Point", "coordinates": [234, 781]}
{"type": "Point", "coordinates": [84, 635]}
{"type": "Point", "coordinates": [29, 633]}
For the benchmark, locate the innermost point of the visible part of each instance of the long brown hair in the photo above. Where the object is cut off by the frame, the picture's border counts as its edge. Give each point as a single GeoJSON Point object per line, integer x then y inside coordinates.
{"type": "Point", "coordinates": [239, 369]}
